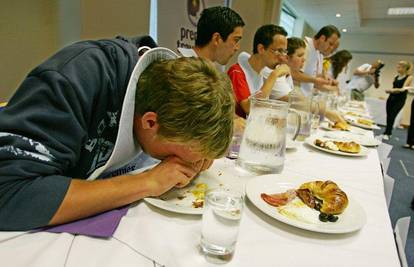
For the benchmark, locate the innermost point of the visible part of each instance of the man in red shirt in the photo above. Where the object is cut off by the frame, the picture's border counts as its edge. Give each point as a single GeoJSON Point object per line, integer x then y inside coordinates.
{"type": "Point", "coordinates": [247, 76]}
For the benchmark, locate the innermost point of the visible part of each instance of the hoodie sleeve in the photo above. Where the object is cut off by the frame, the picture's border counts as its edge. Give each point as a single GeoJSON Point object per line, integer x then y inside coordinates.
{"type": "Point", "coordinates": [42, 132]}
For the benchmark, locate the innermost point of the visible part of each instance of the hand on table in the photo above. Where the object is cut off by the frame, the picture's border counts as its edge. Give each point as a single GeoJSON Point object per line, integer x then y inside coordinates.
{"type": "Point", "coordinates": [335, 116]}
{"type": "Point", "coordinates": [239, 125]}
{"type": "Point", "coordinates": [320, 82]}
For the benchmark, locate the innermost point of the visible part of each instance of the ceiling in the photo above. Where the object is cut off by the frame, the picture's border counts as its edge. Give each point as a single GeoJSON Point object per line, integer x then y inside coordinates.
{"type": "Point", "coordinates": [357, 16]}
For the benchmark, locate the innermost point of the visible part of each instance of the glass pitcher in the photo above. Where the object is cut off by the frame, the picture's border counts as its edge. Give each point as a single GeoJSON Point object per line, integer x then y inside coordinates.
{"type": "Point", "coordinates": [302, 105]}
{"type": "Point", "coordinates": [263, 146]}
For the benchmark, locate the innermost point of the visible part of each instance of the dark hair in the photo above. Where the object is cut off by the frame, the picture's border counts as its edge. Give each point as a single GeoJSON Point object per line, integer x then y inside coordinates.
{"type": "Point", "coordinates": [328, 31]}
{"type": "Point", "coordinates": [216, 19]}
{"type": "Point", "coordinates": [264, 35]}
{"type": "Point", "coordinates": [339, 60]}
{"type": "Point", "coordinates": [293, 44]}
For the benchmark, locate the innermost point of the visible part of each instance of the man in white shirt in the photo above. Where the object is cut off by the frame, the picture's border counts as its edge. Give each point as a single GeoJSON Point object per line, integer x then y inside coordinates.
{"type": "Point", "coordinates": [268, 61]}
{"type": "Point", "coordinates": [362, 79]}
{"type": "Point", "coordinates": [312, 76]}
{"type": "Point", "coordinates": [219, 31]}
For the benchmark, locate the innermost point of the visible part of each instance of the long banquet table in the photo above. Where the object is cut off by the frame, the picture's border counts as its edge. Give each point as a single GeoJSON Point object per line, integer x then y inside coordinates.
{"type": "Point", "coordinates": [150, 236]}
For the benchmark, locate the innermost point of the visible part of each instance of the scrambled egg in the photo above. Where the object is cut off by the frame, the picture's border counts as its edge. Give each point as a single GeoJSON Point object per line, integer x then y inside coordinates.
{"type": "Point", "coordinates": [199, 194]}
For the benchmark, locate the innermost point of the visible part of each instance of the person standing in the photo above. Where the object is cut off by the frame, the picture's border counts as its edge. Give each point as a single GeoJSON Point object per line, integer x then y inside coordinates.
{"type": "Point", "coordinates": [410, 133]}
{"type": "Point", "coordinates": [363, 78]}
{"type": "Point", "coordinates": [398, 95]}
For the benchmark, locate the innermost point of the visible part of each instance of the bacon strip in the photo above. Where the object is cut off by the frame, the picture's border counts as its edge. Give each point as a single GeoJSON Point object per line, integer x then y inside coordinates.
{"type": "Point", "coordinates": [280, 199]}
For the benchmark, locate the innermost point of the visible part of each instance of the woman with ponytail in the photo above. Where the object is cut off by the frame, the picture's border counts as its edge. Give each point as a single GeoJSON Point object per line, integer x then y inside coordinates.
{"type": "Point", "coordinates": [398, 94]}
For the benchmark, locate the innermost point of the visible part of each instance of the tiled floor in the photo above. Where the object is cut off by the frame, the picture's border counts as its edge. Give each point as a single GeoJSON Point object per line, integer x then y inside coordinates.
{"type": "Point", "coordinates": [402, 170]}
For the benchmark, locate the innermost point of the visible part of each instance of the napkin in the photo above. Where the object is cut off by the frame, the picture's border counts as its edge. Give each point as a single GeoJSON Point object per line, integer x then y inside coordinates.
{"type": "Point", "coordinates": [101, 225]}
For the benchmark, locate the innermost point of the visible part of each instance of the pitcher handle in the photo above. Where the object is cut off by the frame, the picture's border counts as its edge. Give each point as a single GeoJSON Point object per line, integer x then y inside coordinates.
{"type": "Point", "coordinates": [298, 121]}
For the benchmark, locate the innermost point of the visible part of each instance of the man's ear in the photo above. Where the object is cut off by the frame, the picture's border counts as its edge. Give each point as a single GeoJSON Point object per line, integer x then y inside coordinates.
{"type": "Point", "coordinates": [149, 121]}
{"type": "Point", "coordinates": [260, 48]}
{"type": "Point", "coordinates": [215, 38]}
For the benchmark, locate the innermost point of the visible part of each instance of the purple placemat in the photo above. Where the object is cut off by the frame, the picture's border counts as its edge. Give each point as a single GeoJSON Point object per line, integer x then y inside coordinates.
{"type": "Point", "coordinates": [101, 225]}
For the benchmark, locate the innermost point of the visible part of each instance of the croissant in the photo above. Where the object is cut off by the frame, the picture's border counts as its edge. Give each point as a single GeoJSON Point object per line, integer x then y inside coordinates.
{"type": "Point", "coordinates": [334, 199]}
{"type": "Point", "coordinates": [350, 147]}
{"type": "Point", "coordinates": [341, 126]}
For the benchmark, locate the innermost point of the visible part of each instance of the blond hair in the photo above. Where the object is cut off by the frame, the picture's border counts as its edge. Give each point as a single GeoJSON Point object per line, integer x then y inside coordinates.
{"type": "Point", "coordinates": [193, 101]}
{"type": "Point", "coordinates": [408, 66]}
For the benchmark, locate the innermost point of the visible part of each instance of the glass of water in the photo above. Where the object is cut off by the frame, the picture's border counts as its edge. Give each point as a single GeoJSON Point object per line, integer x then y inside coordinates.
{"type": "Point", "coordinates": [220, 224]}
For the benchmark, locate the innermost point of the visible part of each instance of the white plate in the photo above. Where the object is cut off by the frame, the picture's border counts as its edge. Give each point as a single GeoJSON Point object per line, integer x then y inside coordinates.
{"type": "Point", "coordinates": [180, 200]}
{"type": "Point", "coordinates": [301, 216]}
{"type": "Point", "coordinates": [357, 114]}
{"type": "Point", "coordinates": [353, 121]}
{"type": "Point", "coordinates": [311, 141]}
{"type": "Point", "coordinates": [352, 129]}
{"type": "Point", "coordinates": [349, 136]}
{"type": "Point", "coordinates": [325, 126]}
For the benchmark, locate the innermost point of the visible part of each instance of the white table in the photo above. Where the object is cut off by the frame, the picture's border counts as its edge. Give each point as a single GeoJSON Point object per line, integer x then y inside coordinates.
{"type": "Point", "coordinates": [149, 236]}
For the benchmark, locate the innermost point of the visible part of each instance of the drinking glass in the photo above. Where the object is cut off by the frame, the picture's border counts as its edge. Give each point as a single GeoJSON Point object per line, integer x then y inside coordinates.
{"type": "Point", "coordinates": [220, 224]}
{"type": "Point", "coordinates": [321, 99]}
{"type": "Point", "coordinates": [234, 147]}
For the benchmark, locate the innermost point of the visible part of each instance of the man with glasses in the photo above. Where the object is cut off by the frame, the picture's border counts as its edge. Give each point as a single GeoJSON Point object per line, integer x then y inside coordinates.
{"type": "Point", "coordinates": [256, 74]}
{"type": "Point", "coordinates": [321, 45]}
{"type": "Point", "coordinates": [219, 31]}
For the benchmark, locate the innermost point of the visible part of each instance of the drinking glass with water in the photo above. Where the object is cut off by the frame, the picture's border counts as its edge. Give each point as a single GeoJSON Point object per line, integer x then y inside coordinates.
{"type": "Point", "coordinates": [220, 224]}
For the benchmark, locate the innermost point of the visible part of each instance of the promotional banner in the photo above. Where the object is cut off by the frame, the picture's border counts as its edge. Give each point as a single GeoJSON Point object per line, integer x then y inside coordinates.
{"type": "Point", "coordinates": [177, 21]}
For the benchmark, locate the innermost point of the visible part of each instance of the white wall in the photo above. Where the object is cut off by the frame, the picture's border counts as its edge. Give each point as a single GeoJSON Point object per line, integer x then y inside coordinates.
{"type": "Point", "coordinates": [255, 14]}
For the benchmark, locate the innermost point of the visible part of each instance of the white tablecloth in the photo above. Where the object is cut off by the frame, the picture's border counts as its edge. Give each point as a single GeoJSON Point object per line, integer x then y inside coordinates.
{"type": "Point", "coordinates": [149, 236]}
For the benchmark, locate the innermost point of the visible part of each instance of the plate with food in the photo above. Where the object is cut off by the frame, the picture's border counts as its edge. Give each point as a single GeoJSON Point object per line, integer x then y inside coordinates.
{"type": "Point", "coordinates": [336, 126]}
{"type": "Point", "coordinates": [337, 147]}
{"type": "Point", "coordinates": [187, 200]}
{"type": "Point", "coordinates": [362, 122]}
{"type": "Point", "coordinates": [357, 114]}
{"type": "Point", "coordinates": [364, 140]}
{"type": "Point", "coordinates": [314, 205]}
{"type": "Point", "coordinates": [341, 127]}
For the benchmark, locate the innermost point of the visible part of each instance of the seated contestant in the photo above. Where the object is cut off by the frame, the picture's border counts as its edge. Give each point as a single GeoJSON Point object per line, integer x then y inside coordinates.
{"type": "Point", "coordinates": [312, 77]}
{"type": "Point", "coordinates": [269, 50]}
{"type": "Point", "coordinates": [219, 31]}
{"type": "Point", "coordinates": [295, 60]}
{"type": "Point", "coordinates": [71, 115]}
{"type": "Point", "coordinates": [337, 65]}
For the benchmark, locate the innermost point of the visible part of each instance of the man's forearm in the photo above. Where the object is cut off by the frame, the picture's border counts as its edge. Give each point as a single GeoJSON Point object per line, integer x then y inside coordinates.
{"type": "Point", "coordinates": [302, 77]}
{"type": "Point", "coordinates": [86, 198]}
{"type": "Point", "coordinates": [268, 85]}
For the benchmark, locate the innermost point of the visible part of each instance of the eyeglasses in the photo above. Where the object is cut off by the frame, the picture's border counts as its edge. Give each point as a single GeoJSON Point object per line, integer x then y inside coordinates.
{"type": "Point", "coordinates": [280, 51]}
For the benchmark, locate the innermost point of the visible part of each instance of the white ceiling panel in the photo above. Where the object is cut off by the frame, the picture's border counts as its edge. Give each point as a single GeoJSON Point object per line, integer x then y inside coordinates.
{"type": "Point", "coordinates": [358, 16]}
